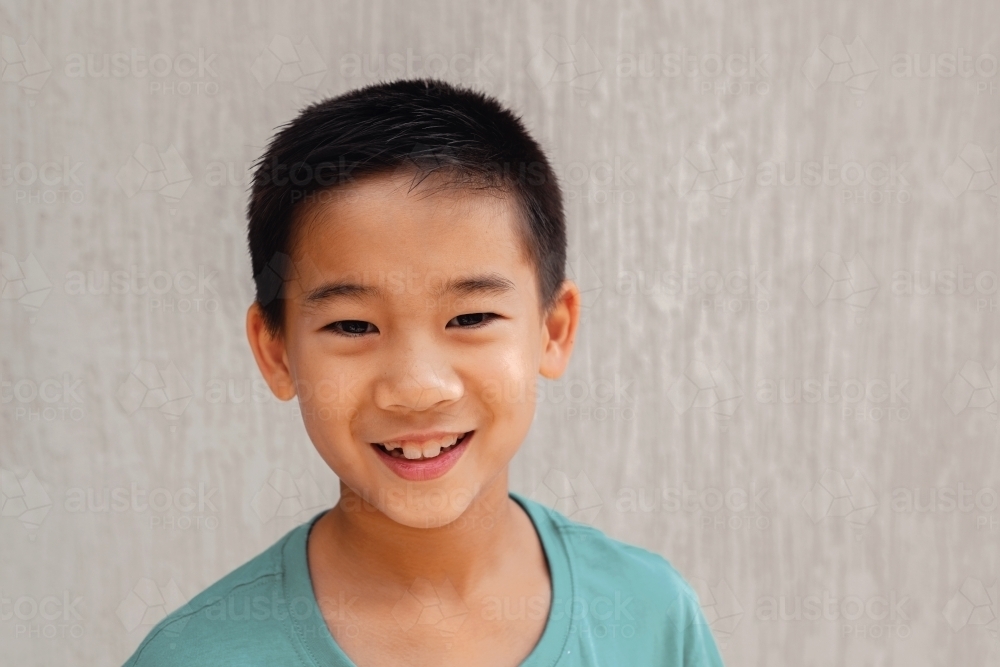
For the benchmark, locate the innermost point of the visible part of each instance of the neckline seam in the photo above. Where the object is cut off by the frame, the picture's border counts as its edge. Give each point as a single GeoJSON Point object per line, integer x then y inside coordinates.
{"type": "Point", "coordinates": [536, 513]}
{"type": "Point", "coordinates": [565, 553]}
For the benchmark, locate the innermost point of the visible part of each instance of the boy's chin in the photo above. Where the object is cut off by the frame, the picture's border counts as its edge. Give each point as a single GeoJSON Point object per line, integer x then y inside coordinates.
{"type": "Point", "coordinates": [426, 508]}
{"type": "Point", "coordinates": [424, 519]}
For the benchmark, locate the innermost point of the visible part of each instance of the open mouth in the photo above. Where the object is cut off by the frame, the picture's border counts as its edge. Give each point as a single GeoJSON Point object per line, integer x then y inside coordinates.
{"type": "Point", "coordinates": [422, 451]}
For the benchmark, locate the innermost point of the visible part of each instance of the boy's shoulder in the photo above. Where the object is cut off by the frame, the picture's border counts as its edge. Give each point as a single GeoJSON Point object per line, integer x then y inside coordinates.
{"type": "Point", "coordinates": [232, 618]}
{"type": "Point", "coordinates": [595, 556]}
{"type": "Point", "coordinates": [625, 600]}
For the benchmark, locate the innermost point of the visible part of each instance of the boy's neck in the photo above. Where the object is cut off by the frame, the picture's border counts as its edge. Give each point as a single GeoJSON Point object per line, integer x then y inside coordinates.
{"type": "Point", "coordinates": [364, 544]}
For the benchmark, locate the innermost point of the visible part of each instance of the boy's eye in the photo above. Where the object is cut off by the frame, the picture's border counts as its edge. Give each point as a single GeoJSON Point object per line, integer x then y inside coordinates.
{"type": "Point", "coordinates": [471, 320]}
{"type": "Point", "coordinates": [352, 327]}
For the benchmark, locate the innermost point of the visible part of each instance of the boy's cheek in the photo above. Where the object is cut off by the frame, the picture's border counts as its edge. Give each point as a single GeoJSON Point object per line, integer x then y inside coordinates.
{"type": "Point", "coordinates": [332, 391]}
{"type": "Point", "coordinates": [322, 380]}
{"type": "Point", "coordinates": [505, 378]}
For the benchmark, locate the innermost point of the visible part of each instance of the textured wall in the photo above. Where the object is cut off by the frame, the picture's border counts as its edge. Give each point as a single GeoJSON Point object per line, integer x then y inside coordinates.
{"type": "Point", "coordinates": [784, 219]}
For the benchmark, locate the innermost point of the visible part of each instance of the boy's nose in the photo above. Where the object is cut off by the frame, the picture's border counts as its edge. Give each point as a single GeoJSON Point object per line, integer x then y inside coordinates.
{"type": "Point", "coordinates": [421, 385]}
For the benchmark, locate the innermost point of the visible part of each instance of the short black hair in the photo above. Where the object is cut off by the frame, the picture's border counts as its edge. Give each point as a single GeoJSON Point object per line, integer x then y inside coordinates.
{"type": "Point", "coordinates": [424, 125]}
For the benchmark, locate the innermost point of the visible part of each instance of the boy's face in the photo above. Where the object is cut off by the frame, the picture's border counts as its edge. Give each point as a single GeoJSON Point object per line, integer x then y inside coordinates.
{"type": "Point", "coordinates": [414, 319]}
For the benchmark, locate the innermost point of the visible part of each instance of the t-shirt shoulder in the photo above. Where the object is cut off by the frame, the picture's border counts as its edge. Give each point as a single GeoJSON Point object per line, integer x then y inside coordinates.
{"type": "Point", "coordinates": [592, 550]}
{"type": "Point", "coordinates": [214, 624]}
{"type": "Point", "coordinates": [623, 587]}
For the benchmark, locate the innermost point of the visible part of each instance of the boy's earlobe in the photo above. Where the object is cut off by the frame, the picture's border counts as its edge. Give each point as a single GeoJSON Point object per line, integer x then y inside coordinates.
{"type": "Point", "coordinates": [559, 331]}
{"type": "Point", "coordinates": [269, 351]}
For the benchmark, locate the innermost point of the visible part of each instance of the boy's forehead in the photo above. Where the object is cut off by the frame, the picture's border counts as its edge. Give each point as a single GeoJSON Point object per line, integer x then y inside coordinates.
{"type": "Point", "coordinates": [394, 218]}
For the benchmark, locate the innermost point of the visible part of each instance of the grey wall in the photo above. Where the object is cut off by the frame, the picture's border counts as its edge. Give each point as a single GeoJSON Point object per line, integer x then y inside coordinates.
{"type": "Point", "coordinates": [712, 283]}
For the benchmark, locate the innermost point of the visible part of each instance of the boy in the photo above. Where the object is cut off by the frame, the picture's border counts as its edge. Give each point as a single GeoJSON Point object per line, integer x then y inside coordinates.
{"type": "Point", "coordinates": [408, 248]}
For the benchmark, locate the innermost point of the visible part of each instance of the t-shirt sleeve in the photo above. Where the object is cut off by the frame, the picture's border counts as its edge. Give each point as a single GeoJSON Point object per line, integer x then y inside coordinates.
{"type": "Point", "coordinates": [159, 648]}
{"type": "Point", "coordinates": [697, 647]}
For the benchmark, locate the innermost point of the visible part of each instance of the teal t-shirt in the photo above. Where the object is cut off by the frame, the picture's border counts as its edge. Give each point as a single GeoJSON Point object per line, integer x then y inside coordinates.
{"type": "Point", "coordinates": [612, 604]}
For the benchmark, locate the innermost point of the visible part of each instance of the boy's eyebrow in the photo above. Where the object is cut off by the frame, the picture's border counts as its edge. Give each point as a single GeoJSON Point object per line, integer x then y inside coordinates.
{"type": "Point", "coordinates": [331, 291]}
{"type": "Point", "coordinates": [488, 283]}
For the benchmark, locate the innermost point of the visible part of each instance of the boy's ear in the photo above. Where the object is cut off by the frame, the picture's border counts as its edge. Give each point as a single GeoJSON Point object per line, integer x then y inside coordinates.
{"type": "Point", "coordinates": [270, 353]}
{"type": "Point", "coordinates": [559, 330]}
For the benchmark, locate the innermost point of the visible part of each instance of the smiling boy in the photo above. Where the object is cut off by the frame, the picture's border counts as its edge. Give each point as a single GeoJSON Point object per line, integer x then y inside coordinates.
{"type": "Point", "coordinates": [408, 247]}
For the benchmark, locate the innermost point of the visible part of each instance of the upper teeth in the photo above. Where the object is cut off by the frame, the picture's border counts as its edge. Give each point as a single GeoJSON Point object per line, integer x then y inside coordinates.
{"type": "Point", "coordinates": [427, 449]}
